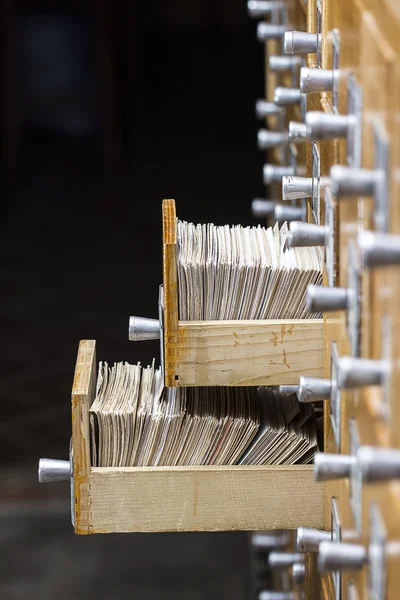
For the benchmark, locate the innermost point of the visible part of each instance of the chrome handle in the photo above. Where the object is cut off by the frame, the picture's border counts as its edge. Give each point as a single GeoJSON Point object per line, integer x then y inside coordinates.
{"type": "Point", "coordinates": [262, 8]}
{"type": "Point", "coordinates": [262, 208]}
{"type": "Point", "coordinates": [312, 389]}
{"type": "Point", "coordinates": [274, 173]}
{"type": "Point", "coordinates": [284, 212]}
{"type": "Point", "coordinates": [300, 42]}
{"type": "Point", "coordinates": [313, 80]}
{"type": "Point", "coordinates": [379, 249]}
{"type": "Point", "coordinates": [360, 372]}
{"type": "Point", "coordinates": [332, 466]}
{"type": "Point", "coordinates": [309, 539]}
{"type": "Point", "coordinates": [297, 132]}
{"type": "Point", "coordinates": [266, 109]}
{"type": "Point", "coordinates": [324, 126]}
{"type": "Point", "coordinates": [141, 328]}
{"type": "Point", "coordinates": [284, 96]}
{"type": "Point", "coordinates": [51, 470]}
{"type": "Point", "coordinates": [270, 139]}
{"type": "Point", "coordinates": [306, 234]}
{"type": "Point", "coordinates": [294, 188]}
{"type": "Point", "coordinates": [326, 299]}
{"type": "Point", "coordinates": [284, 560]}
{"type": "Point", "coordinates": [335, 556]}
{"type": "Point", "coordinates": [278, 64]}
{"type": "Point", "coordinates": [269, 31]}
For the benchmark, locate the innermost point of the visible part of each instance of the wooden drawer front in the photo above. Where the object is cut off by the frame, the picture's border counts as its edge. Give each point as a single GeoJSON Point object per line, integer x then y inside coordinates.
{"type": "Point", "coordinates": [244, 352]}
{"type": "Point", "coordinates": [208, 353]}
{"type": "Point", "coordinates": [211, 498]}
{"type": "Point", "coordinates": [203, 499]}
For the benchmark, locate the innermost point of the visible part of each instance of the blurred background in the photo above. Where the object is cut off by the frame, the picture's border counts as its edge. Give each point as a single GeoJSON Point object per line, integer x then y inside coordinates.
{"type": "Point", "coordinates": [105, 109]}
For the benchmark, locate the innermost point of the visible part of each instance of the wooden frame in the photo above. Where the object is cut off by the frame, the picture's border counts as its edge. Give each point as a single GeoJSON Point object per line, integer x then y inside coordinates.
{"type": "Point", "coordinates": [217, 353]}
{"type": "Point", "coordinates": [150, 499]}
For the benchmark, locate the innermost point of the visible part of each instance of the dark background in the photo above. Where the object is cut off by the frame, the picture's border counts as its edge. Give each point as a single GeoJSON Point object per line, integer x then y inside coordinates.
{"type": "Point", "coordinates": [106, 108]}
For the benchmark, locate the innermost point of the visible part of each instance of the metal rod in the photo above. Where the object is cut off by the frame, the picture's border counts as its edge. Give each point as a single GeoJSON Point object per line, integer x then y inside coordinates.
{"type": "Point", "coordinates": [261, 208]}
{"type": "Point", "coordinates": [269, 31]}
{"type": "Point", "coordinates": [312, 389]}
{"type": "Point", "coordinates": [262, 8]}
{"type": "Point", "coordinates": [306, 234]}
{"type": "Point", "coordinates": [379, 249]}
{"type": "Point", "coordinates": [277, 64]}
{"type": "Point", "coordinates": [51, 470]}
{"type": "Point", "coordinates": [309, 539]}
{"type": "Point", "coordinates": [284, 96]}
{"type": "Point", "coordinates": [361, 372]}
{"type": "Point", "coordinates": [334, 556]}
{"type": "Point", "coordinates": [332, 466]}
{"type": "Point", "coordinates": [284, 560]}
{"type": "Point", "coordinates": [325, 126]}
{"type": "Point", "coordinates": [284, 212]}
{"type": "Point", "coordinates": [141, 329]}
{"type": "Point", "coordinates": [313, 80]}
{"type": "Point", "coordinates": [270, 139]}
{"type": "Point", "coordinates": [274, 173]}
{"type": "Point", "coordinates": [265, 109]}
{"type": "Point", "coordinates": [347, 181]}
{"type": "Point", "coordinates": [326, 299]}
{"type": "Point", "coordinates": [300, 42]}
{"type": "Point", "coordinates": [378, 464]}
{"type": "Point", "coordinates": [294, 188]}
{"type": "Point", "coordinates": [297, 132]}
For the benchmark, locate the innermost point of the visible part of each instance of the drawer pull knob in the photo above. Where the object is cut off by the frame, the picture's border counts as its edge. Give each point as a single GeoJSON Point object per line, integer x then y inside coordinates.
{"type": "Point", "coordinates": [265, 109]}
{"type": "Point", "coordinates": [289, 213]}
{"type": "Point", "coordinates": [284, 96]}
{"type": "Point", "coordinates": [334, 556]}
{"type": "Point", "coordinates": [51, 470]}
{"type": "Point", "coordinates": [269, 31]}
{"type": "Point", "coordinates": [284, 560]}
{"type": "Point", "coordinates": [300, 42]}
{"type": "Point", "coordinates": [332, 466]}
{"type": "Point", "coordinates": [378, 464]}
{"type": "Point", "coordinates": [270, 139]}
{"type": "Point", "coordinates": [309, 539]}
{"type": "Point", "coordinates": [374, 464]}
{"type": "Point", "coordinates": [274, 173]}
{"type": "Point", "coordinates": [279, 64]}
{"type": "Point", "coordinates": [379, 249]}
{"type": "Point", "coordinates": [297, 132]}
{"type": "Point", "coordinates": [261, 8]}
{"type": "Point", "coordinates": [288, 389]}
{"type": "Point", "coordinates": [325, 126]}
{"type": "Point", "coordinates": [298, 573]}
{"type": "Point", "coordinates": [347, 181]}
{"type": "Point", "coordinates": [306, 234]}
{"type": "Point", "coordinates": [326, 299]}
{"type": "Point", "coordinates": [312, 389]}
{"type": "Point", "coordinates": [294, 188]}
{"type": "Point", "coordinates": [361, 372]}
{"type": "Point", "coordinates": [264, 541]}
{"type": "Point", "coordinates": [141, 328]}
{"type": "Point", "coordinates": [313, 80]}
{"type": "Point", "coordinates": [261, 208]}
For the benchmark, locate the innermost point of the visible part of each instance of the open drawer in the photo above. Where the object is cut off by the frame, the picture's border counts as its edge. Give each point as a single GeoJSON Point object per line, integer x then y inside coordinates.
{"type": "Point", "coordinates": [150, 499]}
{"type": "Point", "coordinates": [229, 353]}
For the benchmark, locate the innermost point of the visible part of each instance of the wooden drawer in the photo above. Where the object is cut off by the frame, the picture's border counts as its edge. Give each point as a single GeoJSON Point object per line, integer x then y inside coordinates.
{"type": "Point", "coordinates": [230, 353]}
{"type": "Point", "coordinates": [211, 498]}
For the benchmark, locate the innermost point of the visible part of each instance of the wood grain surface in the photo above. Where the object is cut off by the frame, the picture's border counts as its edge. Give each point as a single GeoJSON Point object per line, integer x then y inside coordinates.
{"type": "Point", "coordinates": [83, 391]}
{"type": "Point", "coordinates": [246, 352]}
{"type": "Point", "coordinates": [204, 498]}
